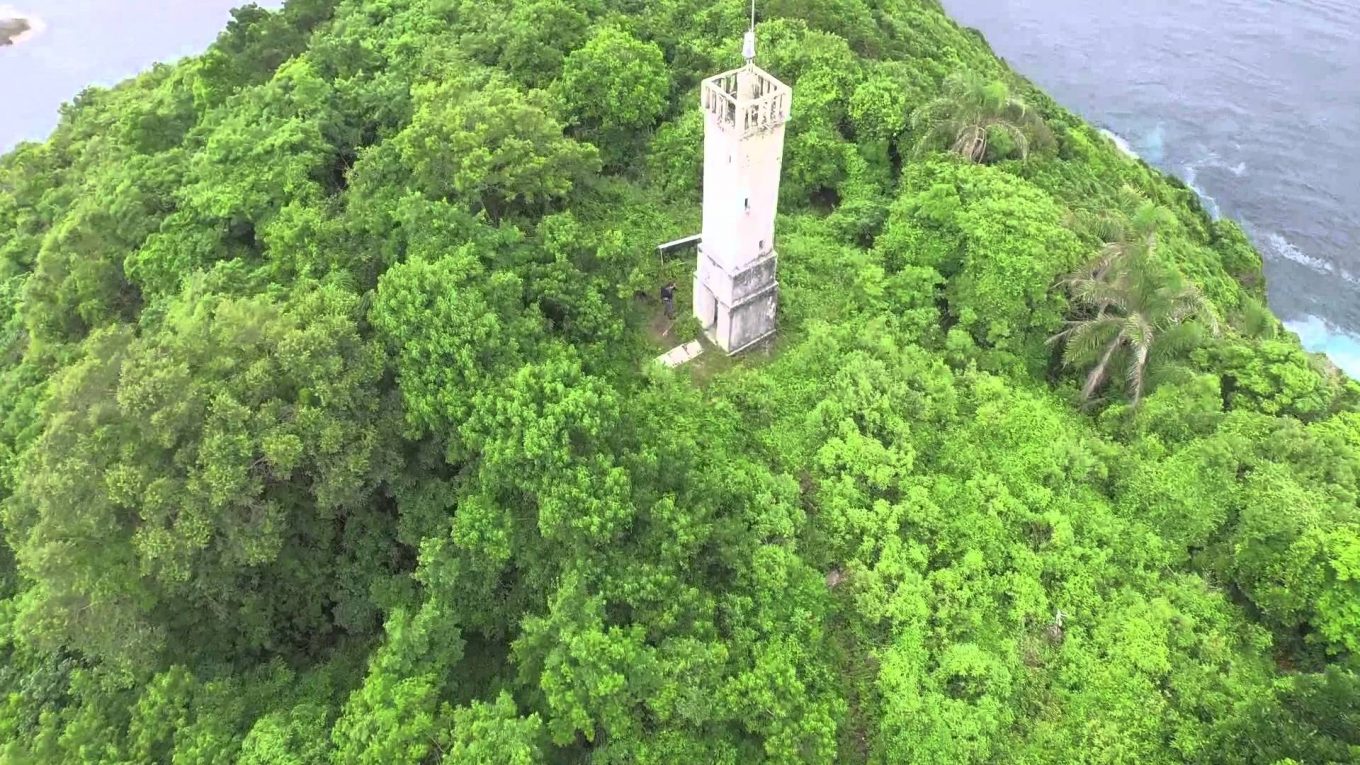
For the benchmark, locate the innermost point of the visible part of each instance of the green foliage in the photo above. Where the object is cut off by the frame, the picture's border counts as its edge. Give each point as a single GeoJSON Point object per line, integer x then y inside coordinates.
{"type": "Point", "coordinates": [1239, 258]}
{"type": "Point", "coordinates": [1295, 566]}
{"type": "Point", "coordinates": [331, 434]}
{"type": "Point", "coordinates": [1278, 378]}
{"type": "Point", "coordinates": [615, 87]}
{"type": "Point", "coordinates": [209, 453]}
{"type": "Point", "coordinates": [878, 108]}
{"type": "Point", "coordinates": [979, 120]}
{"type": "Point", "coordinates": [591, 676]}
{"type": "Point", "coordinates": [396, 715]}
{"type": "Point", "coordinates": [452, 332]}
{"type": "Point", "coordinates": [495, 734]}
{"type": "Point", "coordinates": [997, 241]}
{"type": "Point", "coordinates": [536, 38]}
{"type": "Point", "coordinates": [495, 149]}
{"type": "Point", "coordinates": [676, 156]}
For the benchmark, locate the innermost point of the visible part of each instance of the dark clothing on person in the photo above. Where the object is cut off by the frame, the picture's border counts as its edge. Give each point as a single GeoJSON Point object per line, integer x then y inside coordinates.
{"type": "Point", "coordinates": [668, 300]}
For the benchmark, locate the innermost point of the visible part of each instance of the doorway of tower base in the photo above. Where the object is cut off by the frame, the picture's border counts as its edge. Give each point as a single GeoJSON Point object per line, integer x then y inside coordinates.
{"type": "Point", "coordinates": [705, 304]}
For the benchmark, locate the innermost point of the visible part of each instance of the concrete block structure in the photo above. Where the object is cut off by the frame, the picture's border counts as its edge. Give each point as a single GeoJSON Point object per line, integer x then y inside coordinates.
{"type": "Point", "coordinates": [736, 289]}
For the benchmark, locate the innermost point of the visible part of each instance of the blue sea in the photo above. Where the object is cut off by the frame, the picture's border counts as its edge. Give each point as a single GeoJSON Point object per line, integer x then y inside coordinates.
{"type": "Point", "coordinates": [1254, 103]}
{"type": "Point", "coordinates": [77, 43]}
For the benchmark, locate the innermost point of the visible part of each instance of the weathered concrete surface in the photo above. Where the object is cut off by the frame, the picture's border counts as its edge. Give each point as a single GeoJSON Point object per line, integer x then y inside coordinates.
{"type": "Point", "coordinates": [681, 354]}
{"type": "Point", "coordinates": [753, 319]}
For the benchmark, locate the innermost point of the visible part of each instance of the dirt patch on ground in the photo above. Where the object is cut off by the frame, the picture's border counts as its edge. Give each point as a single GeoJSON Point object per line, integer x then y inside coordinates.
{"type": "Point", "coordinates": [660, 329]}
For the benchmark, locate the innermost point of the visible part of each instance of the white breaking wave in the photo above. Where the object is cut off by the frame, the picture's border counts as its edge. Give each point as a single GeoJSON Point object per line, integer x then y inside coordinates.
{"type": "Point", "coordinates": [1191, 177]}
{"type": "Point", "coordinates": [1285, 249]}
{"type": "Point", "coordinates": [1211, 159]}
{"type": "Point", "coordinates": [1154, 144]}
{"type": "Point", "coordinates": [1120, 143]}
{"type": "Point", "coordinates": [1318, 336]}
{"type": "Point", "coordinates": [36, 26]}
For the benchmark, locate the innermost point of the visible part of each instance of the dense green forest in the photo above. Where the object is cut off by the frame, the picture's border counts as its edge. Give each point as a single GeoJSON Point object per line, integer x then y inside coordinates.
{"type": "Point", "coordinates": [330, 433]}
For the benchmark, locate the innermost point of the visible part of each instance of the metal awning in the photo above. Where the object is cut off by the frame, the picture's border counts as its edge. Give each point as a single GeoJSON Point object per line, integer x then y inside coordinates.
{"type": "Point", "coordinates": [678, 243]}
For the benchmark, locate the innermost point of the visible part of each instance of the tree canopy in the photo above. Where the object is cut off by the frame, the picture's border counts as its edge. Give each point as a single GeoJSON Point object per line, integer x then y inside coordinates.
{"type": "Point", "coordinates": [330, 432]}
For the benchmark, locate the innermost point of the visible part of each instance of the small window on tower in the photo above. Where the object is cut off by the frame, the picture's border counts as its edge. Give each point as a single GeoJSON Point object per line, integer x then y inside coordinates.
{"type": "Point", "coordinates": [748, 204]}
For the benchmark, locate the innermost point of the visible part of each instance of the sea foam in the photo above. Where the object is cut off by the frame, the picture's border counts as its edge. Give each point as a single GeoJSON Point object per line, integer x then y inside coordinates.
{"type": "Point", "coordinates": [1283, 248]}
{"type": "Point", "coordinates": [1120, 143]}
{"type": "Point", "coordinates": [1319, 336]}
{"type": "Point", "coordinates": [1191, 172]}
{"type": "Point", "coordinates": [1210, 160]}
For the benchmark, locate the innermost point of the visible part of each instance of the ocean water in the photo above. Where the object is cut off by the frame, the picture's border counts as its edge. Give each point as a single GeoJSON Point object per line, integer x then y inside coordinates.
{"type": "Point", "coordinates": [77, 43]}
{"type": "Point", "coordinates": [1253, 103]}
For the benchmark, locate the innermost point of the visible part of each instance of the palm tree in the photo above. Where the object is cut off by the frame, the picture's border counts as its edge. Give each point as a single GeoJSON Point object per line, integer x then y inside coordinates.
{"type": "Point", "coordinates": [970, 108]}
{"type": "Point", "coordinates": [1128, 232]}
{"type": "Point", "coordinates": [1138, 306]}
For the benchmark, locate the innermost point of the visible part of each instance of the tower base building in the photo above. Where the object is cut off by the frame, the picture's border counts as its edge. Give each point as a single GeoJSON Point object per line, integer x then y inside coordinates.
{"type": "Point", "coordinates": [737, 309]}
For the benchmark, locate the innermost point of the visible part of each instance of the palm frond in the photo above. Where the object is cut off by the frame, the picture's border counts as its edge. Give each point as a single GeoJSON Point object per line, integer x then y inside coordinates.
{"type": "Point", "coordinates": [1179, 338]}
{"type": "Point", "coordinates": [1137, 371]}
{"type": "Point", "coordinates": [1139, 332]}
{"type": "Point", "coordinates": [1190, 303]}
{"type": "Point", "coordinates": [1097, 374]}
{"type": "Point", "coordinates": [1102, 293]}
{"type": "Point", "coordinates": [969, 106]}
{"type": "Point", "coordinates": [1142, 304]}
{"type": "Point", "coordinates": [928, 114]}
{"type": "Point", "coordinates": [1084, 338]}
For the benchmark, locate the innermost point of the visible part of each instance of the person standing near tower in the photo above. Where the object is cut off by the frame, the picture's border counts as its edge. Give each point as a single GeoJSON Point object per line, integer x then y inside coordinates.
{"type": "Point", "coordinates": [668, 299]}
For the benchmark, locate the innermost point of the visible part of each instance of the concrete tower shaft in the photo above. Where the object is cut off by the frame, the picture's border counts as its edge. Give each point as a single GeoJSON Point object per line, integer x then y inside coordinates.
{"type": "Point", "coordinates": [735, 290]}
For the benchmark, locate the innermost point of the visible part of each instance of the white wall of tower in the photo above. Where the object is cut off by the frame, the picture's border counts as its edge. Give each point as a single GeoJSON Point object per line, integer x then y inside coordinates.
{"type": "Point", "coordinates": [741, 192]}
{"type": "Point", "coordinates": [735, 286]}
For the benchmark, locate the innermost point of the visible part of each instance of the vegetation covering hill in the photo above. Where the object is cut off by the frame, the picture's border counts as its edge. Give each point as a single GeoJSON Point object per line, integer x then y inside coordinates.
{"type": "Point", "coordinates": [329, 432]}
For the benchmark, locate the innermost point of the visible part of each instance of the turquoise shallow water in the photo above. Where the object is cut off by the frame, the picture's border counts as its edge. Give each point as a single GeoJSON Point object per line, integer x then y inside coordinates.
{"type": "Point", "coordinates": [1254, 103]}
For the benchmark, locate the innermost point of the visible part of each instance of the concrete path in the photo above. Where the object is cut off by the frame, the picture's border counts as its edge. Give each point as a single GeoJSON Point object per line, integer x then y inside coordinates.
{"type": "Point", "coordinates": [681, 354]}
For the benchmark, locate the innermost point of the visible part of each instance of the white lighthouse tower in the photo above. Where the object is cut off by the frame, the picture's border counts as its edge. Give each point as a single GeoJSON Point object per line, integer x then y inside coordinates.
{"type": "Point", "coordinates": [735, 289]}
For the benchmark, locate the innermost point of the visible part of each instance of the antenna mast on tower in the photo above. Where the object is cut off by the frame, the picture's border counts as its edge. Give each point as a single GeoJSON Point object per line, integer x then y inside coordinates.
{"type": "Point", "coordinates": [748, 47]}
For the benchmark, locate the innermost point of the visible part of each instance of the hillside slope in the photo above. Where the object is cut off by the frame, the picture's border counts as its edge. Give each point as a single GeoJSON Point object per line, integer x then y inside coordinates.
{"type": "Point", "coordinates": [329, 432]}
